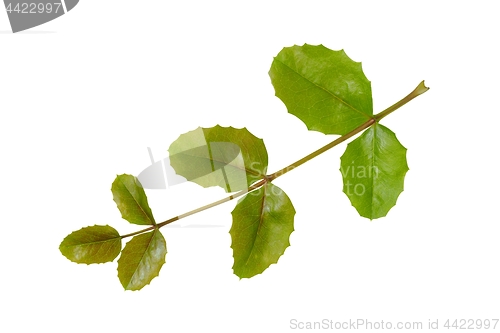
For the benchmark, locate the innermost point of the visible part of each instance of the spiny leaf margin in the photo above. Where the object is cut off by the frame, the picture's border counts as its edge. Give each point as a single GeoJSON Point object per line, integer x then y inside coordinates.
{"type": "Point", "coordinates": [261, 228]}
{"type": "Point", "coordinates": [237, 174]}
{"type": "Point", "coordinates": [373, 169]}
{"type": "Point", "coordinates": [92, 245]}
{"type": "Point", "coordinates": [141, 260]}
{"type": "Point", "coordinates": [324, 88]}
{"type": "Point", "coordinates": [131, 200]}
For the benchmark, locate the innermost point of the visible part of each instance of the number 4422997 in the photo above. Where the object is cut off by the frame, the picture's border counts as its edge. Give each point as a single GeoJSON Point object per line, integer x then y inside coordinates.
{"type": "Point", "coordinates": [34, 8]}
{"type": "Point", "coordinates": [471, 324]}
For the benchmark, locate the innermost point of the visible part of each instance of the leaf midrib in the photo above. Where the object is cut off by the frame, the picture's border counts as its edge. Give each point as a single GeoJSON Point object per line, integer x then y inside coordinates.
{"type": "Point", "coordinates": [373, 164]}
{"type": "Point", "coordinates": [95, 243]}
{"type": "Point", "coordinates": [221, 161]}
{"type": "Point", "coordinates": [152, 221]}
{"type": "Point", "coordinates": [142, 257]}
{"type": "Point", "coordinates": [320, 87]}
{"type": "Point", "coordinates": [261, 219]}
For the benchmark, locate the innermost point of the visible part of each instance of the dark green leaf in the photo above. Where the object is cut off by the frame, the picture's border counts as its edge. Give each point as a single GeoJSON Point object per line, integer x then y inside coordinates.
{"type": "Point", "coordinates": [131, 200]}
{"type": "Point", "coordinates": [262, 224]}
{"type": "Point", "coordinates": [141, 260]}
{"type": "Point", "coordinates": [325, 89]}
{"type": "Point", "coordinates": [219, 156]}
{"type": "Point", "coordinates": [92, 245]}
{"type": "Point", "coordinates": [373, 168]}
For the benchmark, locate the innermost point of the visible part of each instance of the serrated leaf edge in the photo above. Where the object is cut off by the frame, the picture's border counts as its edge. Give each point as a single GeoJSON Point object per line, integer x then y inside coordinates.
{"type": "Point", "coordinates": [153, 222]}
{"type": "Point", "coordinates": [329, 92]}
{"type": "Point", "coordinates": [96, 263]}
{"type": "Point", "coordinates": [397, 197]}
{"type": "Point", "coordinates": [272, 263]}
{"type": "Point", "coordinates": [161, 264]}
{"type": "Point", "coordinates": [250, 171]}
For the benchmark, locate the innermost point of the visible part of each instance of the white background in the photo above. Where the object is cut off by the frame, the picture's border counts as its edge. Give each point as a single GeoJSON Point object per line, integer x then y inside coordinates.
{"type": "Point", "coordinates": [82, 97]}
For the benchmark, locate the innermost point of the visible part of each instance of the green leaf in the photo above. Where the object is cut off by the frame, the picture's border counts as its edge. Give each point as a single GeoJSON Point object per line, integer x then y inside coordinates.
{"type": "Point", "coordinates": [324, 88]}
{"type": "Point", "coordinates": [132, 200]}
{"type": "Point", "coordinates": [228, 157]}
{"type": "Point", "coordinates": [92, 245]}
{"type": "Point", "coordinates": [141, 260]}
{"type": "Point", "coordinates": [373, 168]}
{"type": "Point", "coordinates": [260, 233]}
